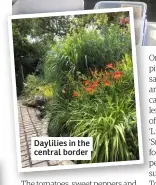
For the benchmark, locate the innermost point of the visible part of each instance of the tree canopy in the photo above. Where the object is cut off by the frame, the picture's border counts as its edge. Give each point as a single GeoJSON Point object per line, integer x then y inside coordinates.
{"type": "Point", "coordinates": [33, 37]}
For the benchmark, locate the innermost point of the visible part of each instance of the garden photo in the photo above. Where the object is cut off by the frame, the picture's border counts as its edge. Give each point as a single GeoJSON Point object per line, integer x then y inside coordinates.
{"type": "Point", "coordinates": [75, 78]}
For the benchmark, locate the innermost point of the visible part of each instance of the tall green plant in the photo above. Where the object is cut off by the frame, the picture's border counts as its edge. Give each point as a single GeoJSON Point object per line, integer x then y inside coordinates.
{"type": "Point", "coordinates": [86, 49]}
{"type": "Point", "coordinates": [107, 114]}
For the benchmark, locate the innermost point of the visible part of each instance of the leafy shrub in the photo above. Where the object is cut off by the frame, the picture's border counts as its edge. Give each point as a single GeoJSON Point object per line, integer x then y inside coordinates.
{"type": "Point", "coordinates": [86, 49]}
{"type": "Point", "coordinates": [35, 86]}
{"type": "Point", "coordinates": [102, 107]}
{"type": "Point", "coordinates": [28, 55]}
{"type": "Point", "coordinates": [94, 91]}
{"type": "Point", "coordinates": [117, 42]}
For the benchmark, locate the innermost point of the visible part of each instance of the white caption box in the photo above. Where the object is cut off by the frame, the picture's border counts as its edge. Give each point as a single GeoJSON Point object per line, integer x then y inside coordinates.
{"type": "Point", "coordinates": [61, 148]}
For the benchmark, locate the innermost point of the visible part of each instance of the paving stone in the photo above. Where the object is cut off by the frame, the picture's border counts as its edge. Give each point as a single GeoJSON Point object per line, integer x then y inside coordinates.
{"type": "Point", "coordinates": [26, 120]}
{"type": "Point", "coordinates": [37, 124]}
{"type": "Point", "coordinates": [25, 115]}
{"type": "Point", "coordinates": [23, 137]}
{"type": "Point", "coordinates": [37, 112]}
{"type": "Point", "coordinates": [24, 157]}
{"type": "Point", "coordinates": [29, 142]}
{"type": "Point", "coordinates": [53, 163]}
{"type": "Point", "coordinates": [30, 151]}
{"type": "Point", "coordinates": [22, 140]}
{"type": "Point", "coordinates": [28, 138]}
{"type": "Point", "coordinates": [31, 112]}
{"type": "Point", "coordinates": [66, 163]}
{"type": "Point", "coordinates": [34, 135]}
{"type": "Point", "coordinates": [35, 118]}
{"type": "Point", "coordinates": [25, 164]}
{"type": "Point", "coordinates": [38, 129]}
{"type": "Point", "coordinates": [24, 152]}
{"type": "Point", "coordinates": [23, 144]}
{"type": "Point", "coordinates": [22, 132]}
{"type": "Point", "coordinates": [31, 132]}
{"type": "Point", "coordinates": [37, 161]}
{"type": "Point", "coordinates": [27, 124]}
{"type": "Point", "coordinates": [21, 127]}
{"type": "Point", "coordinates": [23, 147]}
{"type": "Point", "coordinates": [42, 164]}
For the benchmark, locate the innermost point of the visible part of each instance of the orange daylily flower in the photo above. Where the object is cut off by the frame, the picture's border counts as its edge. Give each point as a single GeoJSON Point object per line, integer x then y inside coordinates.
{"type": "Point", "coordinates": [86, 82]}
{"type": "Point", "coordinates": [106, 83]}
{"type": "Point", "coordinates": [95, 84]}
{"type": "Point", "coordinates": [75, 94]}
{"type": "Point", "coordinates": [117, 74]}
{"type": "Point", "coordinates": [89, 89]}
{"type": "Point", "coordinates": [109, 66]}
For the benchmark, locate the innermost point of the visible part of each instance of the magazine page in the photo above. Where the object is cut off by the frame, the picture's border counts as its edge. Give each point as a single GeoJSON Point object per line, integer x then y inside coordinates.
{"type": "Point", "coordinates": [78, 92]}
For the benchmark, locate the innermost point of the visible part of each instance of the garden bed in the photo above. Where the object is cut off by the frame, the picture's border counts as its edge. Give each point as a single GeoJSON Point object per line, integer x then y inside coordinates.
{"type": "Point", "coordinates": [81, 79]}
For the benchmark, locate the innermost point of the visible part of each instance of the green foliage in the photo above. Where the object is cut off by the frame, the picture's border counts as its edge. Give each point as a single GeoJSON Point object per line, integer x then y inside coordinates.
{"type": "Point", "coordinates": [35, 86]}
{"type": "Point", "coordinates": [107, 114]}
{"type": "Point", "coordinates": [28, 55]}
{"type": "Point", "coordinates": [50, 27]}
{"type": "Point", "coordinates": [32, 38]}
{"type": "Point", "coordinates": [79, 22]}
{"type": "Point", "coordinates": [97, 20]}
{"type": "Point", "coordinates": [85, 77]}
{"type": "Point", "coordinates": [58, 116]}
{"type": "Point", "coordinates": [84, 50]}
{"type": "Point", "coordinates": [117, 42]}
